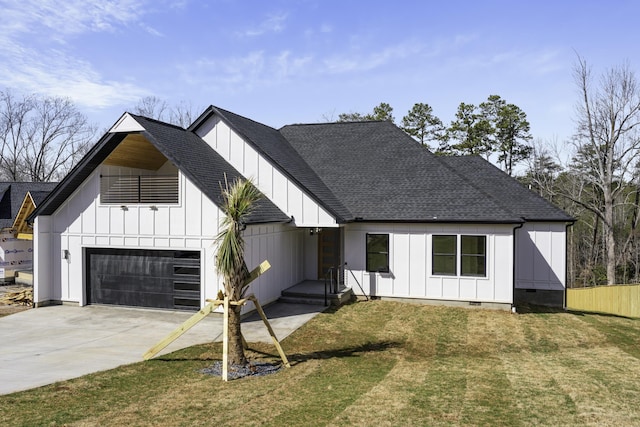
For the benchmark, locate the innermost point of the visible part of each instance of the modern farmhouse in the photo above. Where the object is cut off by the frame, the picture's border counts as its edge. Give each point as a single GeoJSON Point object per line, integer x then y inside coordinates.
{"type": "Point", "coordinates": [134, 223]}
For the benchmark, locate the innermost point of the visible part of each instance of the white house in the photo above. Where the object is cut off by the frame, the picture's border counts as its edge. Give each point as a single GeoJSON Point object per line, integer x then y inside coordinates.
{"type": "Point", "coordinates": [134, 223]}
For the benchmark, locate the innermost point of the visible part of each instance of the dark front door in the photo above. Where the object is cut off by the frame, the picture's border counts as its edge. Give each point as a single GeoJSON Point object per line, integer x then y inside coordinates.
{"type": "Point", "coordinates": [328, 250]}
{"type": "Point", "coordinates": [143, 278]}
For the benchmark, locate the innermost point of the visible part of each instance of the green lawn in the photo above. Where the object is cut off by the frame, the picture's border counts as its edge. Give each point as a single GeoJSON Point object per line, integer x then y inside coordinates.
{"type": "Point", "coordinates": [377, 363]}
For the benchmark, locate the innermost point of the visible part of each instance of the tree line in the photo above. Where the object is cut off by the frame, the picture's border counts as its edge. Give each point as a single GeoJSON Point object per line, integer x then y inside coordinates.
{"type": "Point", "coordinates": [494, 127]}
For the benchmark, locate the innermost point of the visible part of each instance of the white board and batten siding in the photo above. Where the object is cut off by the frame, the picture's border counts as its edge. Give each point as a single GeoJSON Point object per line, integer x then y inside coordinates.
{"type": "Point", "coordinates": [192, 224]}
{"type": "Point", "coordinates": [274, 184]}
{"type": "Point", "coordinates": [541, 256]}
{"type": "Point", "coordinates": [410, 259]}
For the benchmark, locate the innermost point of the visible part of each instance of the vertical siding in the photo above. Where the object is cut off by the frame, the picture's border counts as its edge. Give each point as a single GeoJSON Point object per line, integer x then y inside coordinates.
{"type": "Point", "coordinates": [410, 263]}
{"type": "Point", "coordinates": [541, 256]}
{"type": "Point", "coordinates": [290, 198]}
{"type": "Point", "coordinates": [192, 224]}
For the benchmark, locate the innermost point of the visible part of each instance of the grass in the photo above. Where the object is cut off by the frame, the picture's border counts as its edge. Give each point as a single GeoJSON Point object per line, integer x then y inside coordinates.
{"type": "Point", "coordinates": [377, 363]}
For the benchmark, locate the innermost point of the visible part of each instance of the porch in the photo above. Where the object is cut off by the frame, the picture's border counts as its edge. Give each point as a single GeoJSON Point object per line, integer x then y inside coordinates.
{"type": "Point", "coordinates": [317, 292]}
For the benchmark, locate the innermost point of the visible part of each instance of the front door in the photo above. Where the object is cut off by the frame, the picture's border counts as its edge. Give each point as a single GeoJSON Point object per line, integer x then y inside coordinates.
{"type": "Point", "coordinates": [328, 250]}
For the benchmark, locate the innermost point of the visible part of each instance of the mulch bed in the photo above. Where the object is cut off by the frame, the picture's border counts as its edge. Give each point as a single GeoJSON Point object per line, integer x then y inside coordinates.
{"type": "Point", "coordinates": [253, 369]}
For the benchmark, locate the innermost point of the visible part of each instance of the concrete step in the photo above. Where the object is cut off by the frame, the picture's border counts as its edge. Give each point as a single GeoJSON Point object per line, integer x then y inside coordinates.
{"type": "Point", "coordinates": [300, 297]}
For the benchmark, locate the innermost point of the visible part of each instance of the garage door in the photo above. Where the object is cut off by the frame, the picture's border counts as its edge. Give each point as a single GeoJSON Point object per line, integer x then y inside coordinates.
{"type": "Point", "coordinates": [143, 278]}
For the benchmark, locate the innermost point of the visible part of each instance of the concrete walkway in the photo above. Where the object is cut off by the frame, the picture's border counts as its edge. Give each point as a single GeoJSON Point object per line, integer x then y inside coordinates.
{"type": "Point", "coordinates": [44, 345]}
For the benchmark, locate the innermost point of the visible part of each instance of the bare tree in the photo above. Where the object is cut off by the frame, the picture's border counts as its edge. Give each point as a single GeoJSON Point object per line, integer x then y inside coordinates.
{"type": "Point", "coordinates": [182, 114]}
{"type": "Point", "coordinates": [42, 138]}
{"type": "Point", "coordinates": [606, 145]}
{"type": "Point", "coordinates": [13, 127]}
{"type": "Point", "coordinates": [152, 107]}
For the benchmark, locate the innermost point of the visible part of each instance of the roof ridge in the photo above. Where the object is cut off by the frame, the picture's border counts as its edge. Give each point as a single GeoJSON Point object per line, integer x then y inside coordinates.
{"type": "Point", "coordinates": [335, 123]}
{"type": "Point", "coordinates": [223, 112]}
{"type": "Point", "coordinates": [160, 122]}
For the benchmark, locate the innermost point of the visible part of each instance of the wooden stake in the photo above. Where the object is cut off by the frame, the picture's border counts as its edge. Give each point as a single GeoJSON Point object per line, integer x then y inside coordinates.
{"type": "Point", "coordinates": [268, 325]}
{"type": "Point", "coordinates": [225, 340]}
{"type": "Point", "coordinates": [188, 324]}
{"type": "Point", "coordinates": [214, 303]}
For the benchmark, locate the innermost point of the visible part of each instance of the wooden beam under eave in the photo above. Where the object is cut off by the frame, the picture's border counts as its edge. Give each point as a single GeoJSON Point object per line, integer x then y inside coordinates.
{"type": "Point", "coordinates": [20, 223]}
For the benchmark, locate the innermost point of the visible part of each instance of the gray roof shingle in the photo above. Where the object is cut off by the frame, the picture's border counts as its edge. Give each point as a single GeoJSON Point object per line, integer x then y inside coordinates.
{"type": "Point", "coordinates": [12, 195]}
{"type": "Point", "coordinates": [507, 191]}
{"type": "Point", "coordinates": [381, 174]}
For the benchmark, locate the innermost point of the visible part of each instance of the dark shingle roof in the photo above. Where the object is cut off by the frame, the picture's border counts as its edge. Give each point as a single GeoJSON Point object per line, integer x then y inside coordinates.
{"type": "Point", "coordinates": [12, 195]}
{"type": "Point", "coordinates": [369, 171]}
{"type": "Point", "coordinates": [197, 160]}
{"type": "Point", "coordinates": [272, 145]}
{"type": "Point", "coordinates": [381, 174]}
{"type": "Point", "coordinates": [496, 184]}
{"type": "Point", "coordinates": [202, 165]}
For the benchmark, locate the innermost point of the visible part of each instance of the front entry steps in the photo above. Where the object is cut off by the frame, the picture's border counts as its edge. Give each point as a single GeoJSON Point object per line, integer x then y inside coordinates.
{"type": "Point", "coordinates": [313, 292]}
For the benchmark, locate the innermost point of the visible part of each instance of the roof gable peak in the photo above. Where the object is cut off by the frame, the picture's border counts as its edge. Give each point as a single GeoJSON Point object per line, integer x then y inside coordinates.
{"type": "Point", "coordinates": [127, 123]}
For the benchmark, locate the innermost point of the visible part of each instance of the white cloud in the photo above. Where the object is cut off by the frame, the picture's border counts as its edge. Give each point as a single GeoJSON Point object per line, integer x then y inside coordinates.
{"type": "Point", "coordinates": [351, 62]}
{"type": "Point", "coordinates": [61, 19]}
{"type": "Point", "coordinates": [272, 24]}
{"type": "Point", "coordinates": [57, 74]}
{"type": "Point", "coordinates": [33, 48]}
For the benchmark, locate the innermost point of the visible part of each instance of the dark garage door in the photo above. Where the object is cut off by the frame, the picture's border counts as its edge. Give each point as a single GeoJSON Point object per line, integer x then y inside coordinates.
{"type": "Point", "coordinates": [143, 278]}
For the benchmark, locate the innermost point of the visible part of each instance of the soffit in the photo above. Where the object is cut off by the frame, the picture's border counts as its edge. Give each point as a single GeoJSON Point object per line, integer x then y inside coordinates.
{"type": "Point", "coordinates": [135, 151]}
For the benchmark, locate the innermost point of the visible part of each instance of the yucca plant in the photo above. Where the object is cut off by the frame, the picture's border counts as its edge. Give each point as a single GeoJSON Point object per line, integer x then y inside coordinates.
{"type": "Point", "coordinates": [239, 199]}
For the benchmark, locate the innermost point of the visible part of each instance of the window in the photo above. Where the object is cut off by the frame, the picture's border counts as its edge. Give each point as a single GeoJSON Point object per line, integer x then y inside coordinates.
{"type": "Point", "coordinates": [444, 255]}
{"type": "Point", "coordinates": [378, 253]}
{"type": "Point", "coordinates": [135, 189]}
{"type": "Point", "coordinates": [472, 256]}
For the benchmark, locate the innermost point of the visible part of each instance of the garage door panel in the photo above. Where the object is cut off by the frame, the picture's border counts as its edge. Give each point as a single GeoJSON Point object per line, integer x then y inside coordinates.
{"type": "Point", "coordinates": [143, 278]}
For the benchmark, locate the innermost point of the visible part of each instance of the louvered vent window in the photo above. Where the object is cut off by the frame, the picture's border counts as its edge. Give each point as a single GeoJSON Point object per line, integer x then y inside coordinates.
{"type": "Point", "coordinates": [143, 189]}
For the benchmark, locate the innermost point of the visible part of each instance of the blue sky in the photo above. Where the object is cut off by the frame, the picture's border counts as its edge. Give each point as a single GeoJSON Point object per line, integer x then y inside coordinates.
{"type": "Point", "coordinates": [281, 62]}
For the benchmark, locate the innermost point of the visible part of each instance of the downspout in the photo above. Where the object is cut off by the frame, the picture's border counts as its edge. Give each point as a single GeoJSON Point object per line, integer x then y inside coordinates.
{"type": "Point", "coordinates": [513, 270]}
{"type": "Point", "coordinates": [567, 260]}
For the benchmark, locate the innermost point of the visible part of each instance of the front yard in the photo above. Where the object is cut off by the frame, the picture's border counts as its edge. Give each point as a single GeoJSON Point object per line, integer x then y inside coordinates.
{"type": "Point", "coordinates": [377, 363]}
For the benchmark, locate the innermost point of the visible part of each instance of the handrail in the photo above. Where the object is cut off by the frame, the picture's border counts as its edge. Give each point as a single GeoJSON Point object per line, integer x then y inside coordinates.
{"type": "Point", "coordinates": [334, 283]}
{"type": "Point", "coordinates": [356, 279]}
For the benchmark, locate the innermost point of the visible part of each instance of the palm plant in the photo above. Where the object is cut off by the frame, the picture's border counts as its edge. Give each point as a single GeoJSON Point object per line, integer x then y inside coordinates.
{"type": "Point", "coordinates": [239, 199]}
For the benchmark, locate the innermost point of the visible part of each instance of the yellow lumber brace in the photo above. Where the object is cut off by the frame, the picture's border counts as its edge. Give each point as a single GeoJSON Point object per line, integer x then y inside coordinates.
{"type": "Point", "coordinates": [268, 325]}
{"type": "Point", "coordinates": [213, 304]}
{"type": "Point", "coordinates": [188, 324]}
{"type": "Point", "coordinates": [225, 340]}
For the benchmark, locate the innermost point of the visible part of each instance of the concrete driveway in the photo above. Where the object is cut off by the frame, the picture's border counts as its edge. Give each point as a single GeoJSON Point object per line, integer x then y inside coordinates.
{"type": "Point", "coordinates": [44, 345]}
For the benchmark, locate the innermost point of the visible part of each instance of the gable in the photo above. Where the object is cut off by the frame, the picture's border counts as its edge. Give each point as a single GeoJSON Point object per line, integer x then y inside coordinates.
{"type": "Point", "coordinates": [194, 158]}
{"type": "Point", "coordinates": [260, 152]}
